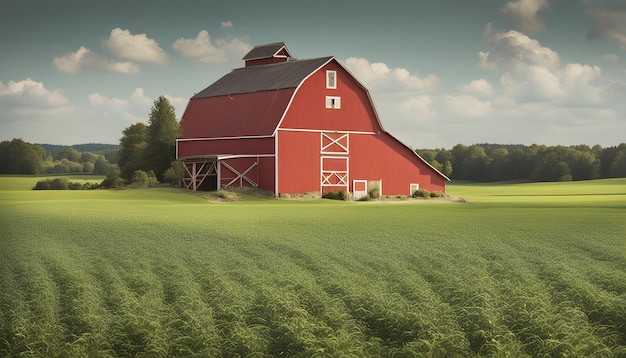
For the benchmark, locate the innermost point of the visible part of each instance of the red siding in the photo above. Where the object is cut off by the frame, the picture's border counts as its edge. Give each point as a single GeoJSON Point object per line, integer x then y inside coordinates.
{"type": "Point", "coordinates": [267, 173]}
{"type": "Point", "coordinates": [298, 162]}
{"type": "Point", "coordinates": [372, 157]}
{"type": "Point", "coordinates": [226, 146]}
{"type": "Point", "coordinates": [308, 109]}
{"type": "Point", "coordinates": [237, 115]}
{"type": "Point", "coordinates": [375, 157]}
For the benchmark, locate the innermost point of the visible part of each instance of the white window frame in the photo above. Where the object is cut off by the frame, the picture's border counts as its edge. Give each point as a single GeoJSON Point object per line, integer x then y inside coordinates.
{"type": "Point", "coordinates": [413, 187]}
{"type": "Point", "coordinates": [333, 102]}
{"type": "Point", "coordinates": [331, 79]}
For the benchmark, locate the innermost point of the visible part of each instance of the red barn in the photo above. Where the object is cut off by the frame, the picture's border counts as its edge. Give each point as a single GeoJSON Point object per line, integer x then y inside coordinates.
{"type": "Point", "coordinates": [295, 126]}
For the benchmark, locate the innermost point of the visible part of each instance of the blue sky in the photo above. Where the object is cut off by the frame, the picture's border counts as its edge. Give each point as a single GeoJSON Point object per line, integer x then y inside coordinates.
{"type": "Point", "coordinates": [440, 72]}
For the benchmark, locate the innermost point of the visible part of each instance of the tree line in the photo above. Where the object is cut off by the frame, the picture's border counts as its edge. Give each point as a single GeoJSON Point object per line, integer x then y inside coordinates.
{"type": "Point", "coordinates": [146, 154]}
{"type": "Point", "coordinates": [496, 162]}
{"type": "Point", "coordinates": [20, 157]}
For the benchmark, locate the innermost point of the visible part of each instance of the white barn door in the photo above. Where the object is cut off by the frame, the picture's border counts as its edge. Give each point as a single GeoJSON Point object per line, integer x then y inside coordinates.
{"type": "Point", "coordinates": [359, 189]}
{"type": "Point", "coordinates": [334, 165]}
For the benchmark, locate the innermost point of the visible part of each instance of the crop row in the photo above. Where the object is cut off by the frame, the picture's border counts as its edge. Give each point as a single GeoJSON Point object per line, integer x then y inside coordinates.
{"type": "Point", "coordinates": [292, 280]}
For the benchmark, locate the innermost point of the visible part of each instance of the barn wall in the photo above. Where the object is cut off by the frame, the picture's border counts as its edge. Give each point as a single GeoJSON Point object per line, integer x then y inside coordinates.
{"type": "Point", "coordinates": [308, 109]}
{"type": "Point", "coordinates": [298, 162]}
{"type": "Point", "coordinates": [226, 146]}
{"type": "Point", "coordinates": [375, 157]}
{"type": "Point", "coordinates": [267, 173]}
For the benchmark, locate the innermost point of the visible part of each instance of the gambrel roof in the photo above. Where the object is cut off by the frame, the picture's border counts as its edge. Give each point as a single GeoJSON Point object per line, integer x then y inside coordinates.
{"type": "Point", "coordinates": [263, 78]}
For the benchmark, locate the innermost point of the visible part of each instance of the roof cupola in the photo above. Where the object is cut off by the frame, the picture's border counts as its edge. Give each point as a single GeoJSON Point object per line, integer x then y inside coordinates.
{"type": "Point", "coordinates": [266, 54]}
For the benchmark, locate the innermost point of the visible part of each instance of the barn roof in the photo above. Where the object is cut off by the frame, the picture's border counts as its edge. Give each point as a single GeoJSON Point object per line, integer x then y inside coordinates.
{"type": "Point", "coordinates": [263, 78]}
{"type": "Point", "coordinates": [265, 51]}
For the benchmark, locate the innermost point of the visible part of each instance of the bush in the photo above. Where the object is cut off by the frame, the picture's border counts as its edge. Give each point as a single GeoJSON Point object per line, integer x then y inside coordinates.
{"type": "Point", "coordinates": [141, 179]}
{"type": "Point", "coordinates": [63, 183]}
{"type": "Point", "coordinates": [42, 185]}
{"type": "Point", "coordinates": [337, 195]}
{"type": "Point", "coordinates": [437, 194]}
{"type": "Point", "coordinates": [175, 173]}
{"type": "Point", "coordinates": [373, 193]}
{"type": "Point", "coordinates": [113, 179]}
{"type": "Point", "coordinates": [421, 193]}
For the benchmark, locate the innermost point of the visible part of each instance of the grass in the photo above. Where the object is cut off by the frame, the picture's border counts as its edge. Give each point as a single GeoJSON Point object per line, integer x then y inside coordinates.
{"type": "Point", "coordinates": [520, 270]}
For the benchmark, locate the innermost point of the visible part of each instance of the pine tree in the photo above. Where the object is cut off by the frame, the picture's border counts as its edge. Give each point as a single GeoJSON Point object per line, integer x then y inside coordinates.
{"type": "Point", "coordinates": [163, 129]}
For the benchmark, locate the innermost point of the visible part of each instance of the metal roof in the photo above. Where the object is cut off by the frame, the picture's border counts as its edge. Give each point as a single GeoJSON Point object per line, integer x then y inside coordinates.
{"type": "Point", "coordinates": [263, 78]}
{"type": "Point", "coordinates": [265, 51]}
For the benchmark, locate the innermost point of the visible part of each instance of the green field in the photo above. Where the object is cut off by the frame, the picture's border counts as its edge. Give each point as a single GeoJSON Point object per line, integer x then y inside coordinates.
{"type": "Point", "coordinates": [518, 270]}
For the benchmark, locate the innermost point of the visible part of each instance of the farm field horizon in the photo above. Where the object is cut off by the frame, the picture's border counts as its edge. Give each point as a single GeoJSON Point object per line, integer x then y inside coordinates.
{"type": "Point", "coordinates": [529, 269]}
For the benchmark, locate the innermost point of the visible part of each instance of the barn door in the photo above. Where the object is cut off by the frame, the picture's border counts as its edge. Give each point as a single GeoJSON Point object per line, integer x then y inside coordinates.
{"type": "Point", "coordinates": [334, 174]}
{"type": "Point", "coordinates": [359, 189]}
{"type": "Point", "coordinates": [334, 152]}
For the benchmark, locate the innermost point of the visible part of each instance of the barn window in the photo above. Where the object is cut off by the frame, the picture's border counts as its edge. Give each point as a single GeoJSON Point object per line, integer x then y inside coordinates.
{"type": "Point", "coordinates": [333, 102]}
{"type": "Point", "coordinates": [413, 188]}
{"type": "Point", "coordinates": [331, 79]}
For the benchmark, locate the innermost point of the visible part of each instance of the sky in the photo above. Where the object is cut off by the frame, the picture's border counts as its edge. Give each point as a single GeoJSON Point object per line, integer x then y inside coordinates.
{"type": "Point", "coordinates": [440, 72]}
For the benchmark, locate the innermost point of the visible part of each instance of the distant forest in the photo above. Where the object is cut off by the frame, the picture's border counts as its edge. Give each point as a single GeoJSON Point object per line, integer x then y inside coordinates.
{"type": "Point", "coordinates": [498, 162]}
{"type": "Point", "coordinates": [89, 147]}
{"type": "Point", "coordinates": [478, 162]}
{"type": "Point", "coordinates": [20, 157]}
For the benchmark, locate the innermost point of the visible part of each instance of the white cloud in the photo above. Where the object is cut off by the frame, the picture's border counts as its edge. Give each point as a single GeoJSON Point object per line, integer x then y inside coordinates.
{"type": "Point", "coordinates": [124, 45]}
{"type": "Point", "coordinates": [523, 15]}
{"type": "Point", "coordinates": [533, 73]}
{"type": "Point", "coordinates": [507, 50]}
{"type": "Point", "coordinates": [379, 76]}
{"type": "Point", "coordinates": [84, 59]}
{"type": "Point", "coordinates": [135, 108]}
{"type": "Point", "coordinates": [227, 24]}
{"type": "Point", "coordinates": [579, 85]}
{"type": "Point", "coordinates": [419, 108]}
{"type": "Point", "coordinates": [480, 87]}
{"type": "Point", "coordinates": [29, 93]}
{"type": "Point", "coordinates": [531, 84]}
{"type": "Point", "coordinates": [608, 20]}
{"type": "Point", "coordinates": [467, 106]}
{"type": "Point", "coordinates": [202, 50]}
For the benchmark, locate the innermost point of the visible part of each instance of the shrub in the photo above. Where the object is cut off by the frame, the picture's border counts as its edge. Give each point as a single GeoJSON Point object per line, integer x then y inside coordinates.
{"type": "Point", "coordinates": [175, 173]}
{"type": "Point", "coordinates": [421, 193]}
{"type": "Point", "coordinates": [113, 179]}
{"type": "Point", "coordinates": [141, 179]}
{"type": "Point", "coordinates": [373, 193]}
{"type": "Point", "coordinates": [437, 194]}
{"type": "Point", "coordinates": [337, 195]}
{"type": "Point", "coordinates": [74, 186]}
{"type": "Point", "coordinates": [63, 183]}
{"type": "Point", "coordinates": [42, 185]}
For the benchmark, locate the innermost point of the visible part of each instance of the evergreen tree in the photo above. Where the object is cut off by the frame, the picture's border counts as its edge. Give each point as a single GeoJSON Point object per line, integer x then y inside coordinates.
{"type": "Point", "coordinates": [163, 129]}
{"type": "Point", "coordinates": [132, 152]}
